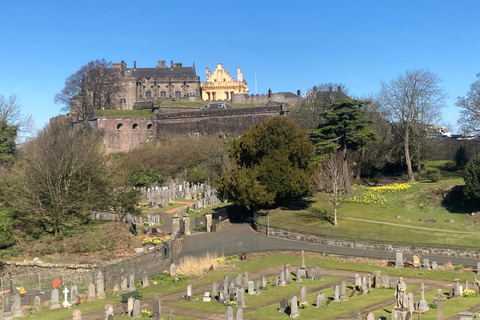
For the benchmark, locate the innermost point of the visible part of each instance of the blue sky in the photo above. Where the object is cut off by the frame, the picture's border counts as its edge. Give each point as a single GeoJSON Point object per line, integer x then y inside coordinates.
{"type": "Point", "coordinates": [290, 45]}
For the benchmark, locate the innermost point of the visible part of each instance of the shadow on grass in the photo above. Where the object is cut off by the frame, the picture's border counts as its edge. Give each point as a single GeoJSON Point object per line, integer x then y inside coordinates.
{"type": "Point", "coordinates": [454, 201]}
{"type": "Point", "coordinates": [316, 216]}
{"type": "Point", "coordinates": [297, 204]}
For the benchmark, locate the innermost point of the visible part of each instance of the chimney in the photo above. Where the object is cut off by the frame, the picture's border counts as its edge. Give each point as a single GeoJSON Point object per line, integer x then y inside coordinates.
{"type": "Point", "coordinates": [134, 64]}
{"type": "Point", "coordinates": [239, 75]}
{"type": "Point", "coordinates": [339, 88]}
{"type": "Point", "coordinates": [171, 63]}
{"type": "Point", "coordinates": [299, 93]}
{"type": "Point", "coordinates": [161, 64]}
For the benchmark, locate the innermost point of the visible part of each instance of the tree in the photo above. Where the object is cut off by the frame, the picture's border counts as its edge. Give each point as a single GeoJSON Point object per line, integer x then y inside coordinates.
{"type": "Point", "coordinates": [8, 134]}
{"type": "Point", "coordinates": [413, 98]}
{"type": "Point", "coordinates": [61, 176]}
{"type": "Point", "coordinates": [10, 113]}
{"type": "Point", "coordinates": [470, 115]}
{"type": "Point", "coordinates": [471, 175]}
{"type": "Point", "coordinates": [92, 87]}
{"type": "Point", "coordinates": [332, 181]}
{"type": "Point", "coordinates": [270, 164]}
{"type": "Point", "coordinates": [461, 157]}
{"type": "Point", "coordinates": [344, 128]}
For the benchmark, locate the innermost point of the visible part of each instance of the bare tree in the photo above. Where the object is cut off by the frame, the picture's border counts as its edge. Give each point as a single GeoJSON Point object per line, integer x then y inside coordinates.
{"type": "Point", "coordinates": [92, 87]}
{"type": "Point", "coordinates": [412, 99]}
{"type": "Point", "coordinates": [470, 115]}
{"type": "Point", "coordinates": [11, 114]}
{"type": "Point", "coordinates": [332, 182]}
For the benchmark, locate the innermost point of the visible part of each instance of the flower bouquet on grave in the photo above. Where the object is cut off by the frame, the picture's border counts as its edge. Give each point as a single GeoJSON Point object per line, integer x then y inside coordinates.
{"type": "Point", "coordinates": [146, 313]}
{"type": "Point", "coordinates": [469, 293]}
{"type": "Point", "coordinates": [303, 305]}
{"type": "Point", "coordinates": [229, 303]}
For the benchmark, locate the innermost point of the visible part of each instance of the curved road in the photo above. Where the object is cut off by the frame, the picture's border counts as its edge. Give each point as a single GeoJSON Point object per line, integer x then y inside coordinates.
{"type": "Point", "coordinates": [241, 238]}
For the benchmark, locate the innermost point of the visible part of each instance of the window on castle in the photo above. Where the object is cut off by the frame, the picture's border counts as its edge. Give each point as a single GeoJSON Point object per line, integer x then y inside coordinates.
{"type": "Point", "coordinates": [224, 80]}
{"type": "Point", "coordinates": [148, 95]}
{"type": "Point", "coordinates": [119, 126]}
{"type": "Point", "coordinates": [135, 126]}
{"type": "Point", "coordinates": [191, 94]}
{"type": "Point", "coordinates": [123, 100]}
{"type": "Point", "coordinates": [163, 94]}
{"type": "Point", "coordinates": [149, 80]}
{"type": "Point", "coordinates": [178, 94]}
{"type": "Point", "coordinates": [149, 126]}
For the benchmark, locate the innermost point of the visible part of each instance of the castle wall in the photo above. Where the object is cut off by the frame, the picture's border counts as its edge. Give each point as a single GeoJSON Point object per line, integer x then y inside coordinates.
{"type": "Point", "coordinates": [261, 98]}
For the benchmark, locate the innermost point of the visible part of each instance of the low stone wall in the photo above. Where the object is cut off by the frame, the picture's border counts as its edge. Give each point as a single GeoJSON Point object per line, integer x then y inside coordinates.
{"type": "Point", "coordinates": [365, 245]}
{"type": "Point", "coordinates": [219, 226]}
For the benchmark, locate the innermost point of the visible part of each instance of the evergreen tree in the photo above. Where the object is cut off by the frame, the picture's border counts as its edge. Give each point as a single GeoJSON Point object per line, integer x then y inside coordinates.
{"type": "Point", "coordinates": [8, 134]}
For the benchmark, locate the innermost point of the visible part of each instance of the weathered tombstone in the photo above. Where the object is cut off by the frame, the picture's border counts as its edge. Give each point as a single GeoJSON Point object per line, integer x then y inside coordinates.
{"type": "Point", "coordinates": [186, 221]}
{"type": "Point", "coordinates": [277, 281]}
{"type": "Point", "coordinates": [221, 297]}
{"type": "Point", "coordinates": [100, 288]}
{"type": "Point", "coordinates": [466, 285]}
{"type": "Point", "coordinates": [478, 267]}
{"type": "Point", "coordinates": [77, 314]}
{"type": "Point", "coordinates": [426, 264]}
{"type": "Point", "coordinates": [231, 288]}
{"type": "Point", "coordinates": [206, 297]}
{"type": "Point", "coordinates": [240, 296]}
{"type": "Point", "coordinates": [377, 279]}
{"type": "Point", "coordinates": [465, 315]}
{"type": "Point", "coordinates": [299, 275]}
{"type": "Point", "coordinates": [309, 273]}
{"type": "Point", "coordinates": [294, 307]}
{"type": "Point", "coordinates": [157, 311]}
{"type": "Point", "coordinates": [137, 311]}
{"type": "Point", "coordinates": [36, 303]}
{"type": "Point", "coordinates": [461, 291]}
{"type": "Point", "coordinates": [229, 313]}
{"type": "Point", "coordinates": [320, 297]}
{"type": "Point", "coordinates": [416, 261]}
{"type": "Point", "coordinates": [188, 297]}
{"type": "Point", "coordinates": [110, 317]}
{"type": "Point", "coordinates": [282, 278]}
{"type": "Point", "coordinates": [399, 259]}
{"type": "Point", "coordinates": [318, 272]}
{"type": "Point", "coordinates": [54, 298]}
{"type": "Point", "coordinates": [264, 283]}
{"type": "Point", "coordinates": [240, 279]}
{"type": "Point", "coordinates": [288, 276]}
{"type": "Point", "coordinates": [343, 291]}
{"type": "Point", "coordinates": [364, 284]}
{"type": "Point", "coordinates": [130, 302]}
{"type": "Point", "coordinates": [131, 285]}
{"type": "Point", "coordinates": [173, 270]}
{"type": "Point", "coordinates": [124, 287]}
{"type": "Point", "coordinates": [73, 294]}
{"type": "Point", "coordinates": [245, 280]}
{"type": "Point", "coordinates": [358, 281]}
{"type": "Point", "coordinates": [303, 294]}
{"type": "Point", "coordinates": [171, 316]}
{"type": "Point", "coordinates": [17, 306]}
{"type": "Point", "coordinates": [369, 282]}
{"type": "Point", "coordinates": [145, 282]}
{"type": "Point", "coordinates": [410, 305]}
{"type": "Point", "coordinates": [434, 265]}
{"type": "Point", "coordinates": [385, 280]}
{"type": "Point", "coordinates": [336, 293]}
{"type": "Point", "coordinates": [257, 287]}
{"type": "Point", "coordinates": [239, 314]}
{"type": "Point", "coordinates": [439, 298]}
{"type": "Point", "coordinates": [283, 305]}
{"type": "Point", "coordinates": [370, 316]}
{"type": "Point", "coordinates": [456, 289]}
{"type": "Point", "coordinates": [393, 284]}
{"type": "Point", "coordinates": [108, 311]}
{"type": "Point", "coordinates": [214, 290]}
{"type": "Point", "coordinates": [251, 290]}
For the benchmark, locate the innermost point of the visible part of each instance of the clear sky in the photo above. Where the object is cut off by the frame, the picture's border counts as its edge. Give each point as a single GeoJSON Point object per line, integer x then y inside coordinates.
{"type": "Point", "coordinates": [290, 45]}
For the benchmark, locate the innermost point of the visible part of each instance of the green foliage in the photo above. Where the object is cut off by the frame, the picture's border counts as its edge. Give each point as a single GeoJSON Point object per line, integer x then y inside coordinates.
{"type": "Point", "coordinates": [196, 175]}
{"type": "Point", "coordinates": [461, 157]}
{"type": "Point", "coordinates": [471, 175]}
{"type": "Point", "coordinates": [459, 267]}
{"type": "Point", "coordinates": [270, 160]}
{"type": "Point", "coordinates": [8, 134]}
{"type": "Point", "coordinates": [145, 177]}
{"type": "Point", "coordinates": [7, 238]}
{"type": "Point", "coordinates": [433, 305]}
{"type": "Point", "coordinates": [434, 174]}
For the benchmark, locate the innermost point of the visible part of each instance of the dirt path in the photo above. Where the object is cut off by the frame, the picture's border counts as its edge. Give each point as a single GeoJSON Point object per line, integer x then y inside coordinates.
{"type": "Point", "coordinates": [185, 206]}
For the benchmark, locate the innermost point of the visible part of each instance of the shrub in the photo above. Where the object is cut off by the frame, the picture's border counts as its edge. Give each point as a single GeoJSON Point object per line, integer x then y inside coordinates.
{"type": "Point", "coordinates": [459, 267]}
{"type": "Point", "coordinates": [433, 305]}
{"type": "Point", "coordinates": [461, 158]}
{"type": "Point", "coordinates": [434, 174]}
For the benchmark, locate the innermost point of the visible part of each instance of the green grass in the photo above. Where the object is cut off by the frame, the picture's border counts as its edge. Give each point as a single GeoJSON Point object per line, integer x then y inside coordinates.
{"type": "Point", "coordinates": [124, 113]}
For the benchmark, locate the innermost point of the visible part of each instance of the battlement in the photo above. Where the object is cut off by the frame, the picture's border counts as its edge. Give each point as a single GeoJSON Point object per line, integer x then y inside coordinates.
{"type": "Point", "coordinates": [264, 98]}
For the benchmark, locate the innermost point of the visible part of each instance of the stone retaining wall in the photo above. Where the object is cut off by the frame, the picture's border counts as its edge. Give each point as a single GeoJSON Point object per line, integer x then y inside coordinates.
{"type": "Point", "coordinates": [365, 245]}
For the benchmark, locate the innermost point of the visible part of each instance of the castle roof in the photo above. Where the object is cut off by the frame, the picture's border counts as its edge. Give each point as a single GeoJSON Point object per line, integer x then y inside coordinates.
{"type": "Point", "coordinates": [175, 72]}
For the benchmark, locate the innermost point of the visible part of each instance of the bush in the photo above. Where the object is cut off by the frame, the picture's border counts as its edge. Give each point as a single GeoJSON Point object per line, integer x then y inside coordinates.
{"type": "Point", "coordinates": [433, 305]}
{"type": "Point", "coordinates": [434, 174]}
{"type": "Point", "coordinates": [459, 267]}
{"type": "Point", "coordinates": [461, 158]}
{"type": "Point", "coordinates": [7, 238]}
{"type": "Point", "coordinates": [471, 175]}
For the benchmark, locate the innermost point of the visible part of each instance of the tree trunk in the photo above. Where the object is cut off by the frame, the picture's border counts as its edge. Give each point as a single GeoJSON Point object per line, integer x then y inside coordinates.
{"type": "Point", "coordinates": [346, 176]}
{"type": "Point", "coordinates": [408, 160]}
{"type": "Point", "coordinates": [335, 216]}
{"type": "Point", "coordinates": [359, 165]}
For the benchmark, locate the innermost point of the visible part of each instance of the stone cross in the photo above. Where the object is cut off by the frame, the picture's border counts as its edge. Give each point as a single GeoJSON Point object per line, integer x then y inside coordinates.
{"type": "Point", "coordinates": [294, 307]}
{"type": "Point", "coordinates": [303, 294]}
{"type": "Point", "coordinates": [65, 298]}
{"type": "Point", "coordinates": [399, 259]}
{"type": "Point", "coordinates": [422, 304]}
{"type": "Point", "coordinates": [439, 298]}
{"type": "Point", "coordinates": [54, 299]}
{"type": "Point", "coordinates": [17, 306]}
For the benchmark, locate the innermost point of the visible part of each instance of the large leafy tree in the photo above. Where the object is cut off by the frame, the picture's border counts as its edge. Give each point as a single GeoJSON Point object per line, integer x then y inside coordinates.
{"type": "Point", "coordinates": [470, 115]}
{"type": "Point", "coordinates": [471, 175]}
{"type": "Point", "coordinates": [344, 128]}
{"type": "Point", "coordinates": [270, 164]}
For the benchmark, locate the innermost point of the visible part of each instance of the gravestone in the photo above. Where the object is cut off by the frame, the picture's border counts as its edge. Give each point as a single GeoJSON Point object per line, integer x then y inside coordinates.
{"type": "Point", "coordinates": [399, 259]}
{"type": "Point", "coordinates": [231, 288]}
{"type": "Point", "coordinates": [257, 287]}
{"type": "Point", "coordinates": [77, 314]}
{"type": "Point", "coordinates": [426, 264]}
{"type": "Point", "coordinates": [309, 274]}
{"type": "Point", "coordinates": [318, 272]}
{"type": "Point", "coordinates": [466, 285]}
{"type": "Point", "coordinates": [54, 299]}
{"type": "Point", "coordinates": [145, 282]}
{"type": "Point", "coordinates": [157, 311]}
{"type": "Point", "coordinates": [282, 278]}
{"type": "Point", "coordinates": [73, 294]}
{"type": "Point", "coordinates": [364, 284]}
{"type": "Point", "coordinates": [288, 275]}
{"type": "Point", "coordinates": [358, 281]}
{"type": "Point", "coordinates": [410, 305]}
{"type": "Point", "coordinates": [456, 289]}
{"type": "Point", "coordinates": [343, 291]}
{"type": "Point", "coordinates": [206, 297]}
{"type": "Point", "coordinates": [91, 292]}
{"type": "Point", "coordinates": [422, 304]}
{"type": "Point", "coordinates": [277, 281]}
{"type": "Point", "coordinates": [239, 314]}
{"type": "Point", "coordinates": [370, 316]}
{"type": "Point", "coordinates": [137, 311]}
{"type": "Point", "coordinates": [377, 279]}
{"type": "Point", "coordinates": [416, 261]}
{"type": "Point", "coordinates": [264, 283]}
{"type": "Point", "coordinates": [6, 306]}
{"type": "Point", "coordinates": [299, 275]}
{"type": "Point", "coordinates": [245, 280]}
{"type": "Point", "coordinates": [251, 290]}
{"type": "Point", "coordinates": [283, 305]}
{"type": "Point", "coordinates": [124, 287]}
{"type": "Point", "coordinates": [434, 265]}
{"type": "Point", "coordinates": [336, 293]}
{"type": "Point", "coordinates": [439, 298]}
{"type": "Point", "coordinates": [369, 282]}
{"type": "Point", "coordinates": [65, 298]}
{"type": "Point", "coordinates": [36, 303]}
{"type": "Point", "coordinates": [188, 297]}
{"type": "Point", "coordinates": [385, 280]}
{"type": "Point", "coordinates": [131, 284]}
{"type": "Point", "coordinates": [240, 296]}
{"type": "Point", "coordinates": [229, 313]}
{"type": "Point", "coordinates": [240, 279]}
{"type": "Point", "coordinates": [221, 297]}
{"type": "Point", "coordinates": [319, 298]}
{"type": "Point", "coordinates": [110, 317]}
{"type": "Point", "coordinates": [17, 306]}
{"type": "Point", "coordinates": [100, 288]}
{"type": "Point", "coordinates": [303, 294]}
{"type": "Point", "coordinates": [294, 307]}
{"type": "Point", "coordinates": [478, 267]}
{"type": "Point", "coordinates": [173, 270]}
{"type": "Point", "coordinates": [108, 310]}
{"type": "Point", "coordinates": [171, 316]}
{"type": "Point", "coordinates": [130, 302]}
{"type": "Point", "coordinates": [214, 290]}
{"type": "Point", "coordinates": [226, 282]}
{"type": "Point", "coordinates": [465, 315]}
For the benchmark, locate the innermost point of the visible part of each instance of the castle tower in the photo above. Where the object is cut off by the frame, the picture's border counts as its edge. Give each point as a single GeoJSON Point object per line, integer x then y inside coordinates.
{"type": "Point", "coordinates": [219, 85]}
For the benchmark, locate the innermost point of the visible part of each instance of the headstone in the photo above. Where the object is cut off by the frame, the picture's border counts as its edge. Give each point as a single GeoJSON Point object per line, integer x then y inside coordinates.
{"type": "Point", "coordinates": [240, 297]}
{"type": "Point", "coordinates": [77, 314]}
{"type": "Point", "coordinates": [251, 290]}
{"type": "Point", "coordinates": [369, 282]}
{"type": "Point", "coordinates": [239, 314]}
{"type": "Point", "coordinates": [358, 281]}
{"type": "Point", "coordinates": [137, 311]}
{"type": "Point", "coordinates": [478, 267]}
{"type": "Point", "coordinates": [221, 296]}
{"type": "Point", "coordinates": [410, 306]}
{"type": "Point", "coordinates": [36, 303]}
{"type": "Point", "coordinates": [17, 306]}
{"type": "Point", "coordinates": [370, 316]}
{"type": "Point", "coordinates": [240, 279]}
{"type": "Point", "coordinates": [303, 260]}
{"type": "Point", "coordinates": [465, 315]}
{"type": "Point", "coordinates": [422, 304]}
{"type": "Point", "coordinates": [318, 272]}
{"type": "Point", "coordinates": [309, 273]}
{"type": "Point", "coordinates": [245, 280]}
{"type": "Point", "coordinates": [399, 259]}
{"type": "Point", "coordinates": [385, 280]}
{"type": "Point", "coordinates": [294, 307]}
{"type": "Point", "coordinates": [434, 265]}
{"type": "Point", "coordinates": [264, 283]}
{"type": "Point", "coordinates": [131, 284]}
{"type": "Point", "coordinates": [320, 297]}
{"type": "Point", "coordinates": [377, 279]}
{"type": "Point", "coordinates": [364, 284]}
{"type": "Point", "coordinates": [108, 311]}
{"type": "Point", "coordinates": [73, 294]}
{"type": "Point", "coordinates": [157, 311]}
{"type": "Point", "coordinates": [188, 297]}
{"type": "Point", "coordinates": [336, 293]}
{"type": "Point", "coordinates": [461, 291]}
{"type": "Point", "coordinates": [283, 305]}
{"type": "Point", "coordinates": [6, 306]}
{"type": "Point", "coordinates": [456, 289]}
{"type": "Point", "coordinates": [229, 313]}
{"type": "Point", "coordinates": [393, 284]}
{"type": "Point", "coordinates": [426, 264]}
{"type": "Point", "coordinates": [100, 288]}
{"type": "Point", "coordinates": [206, 297]}
{"type": "Point", "coordinates": [130, 302]}
{"type": "Point", "coordinates": [282, 278]}
{"type": "Point", "coordinates": [145, 282]}
{"type": "Point", "coordinates": [231, 288]}
{"type": "Point", "coordinates": [65, 303]}
{"type": "Point", "coordinates": [214, 290]}
{"type": "Point", "coordinates": [173, 270]}
{"type": "Point", "coordinates": [303, 294]}
{"type": "Point", "coordinates": [257, 287]}
{"type": "Point", "coordinates": [466, 285]}
{"type": "Point", "coordinates": [54, 298]}
{"type": "Point", "coordinates": [288, 275]}
{"type": "Point", "coordinates": [299, 275]}
{"type": "Point", "coordinates": [343, 291]}
{"type": "Point", "coordinates": [439, 298]}
{"type": "Point", "coordinates": [277, 281]}
{"type": "Point", "coordinates": [416, 261]}
{"type": "Point", "coordinates": [124, 287]}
